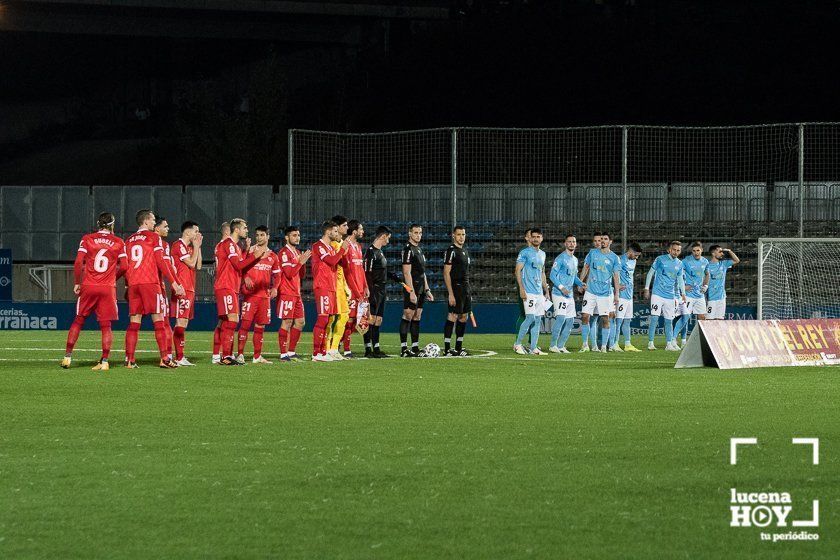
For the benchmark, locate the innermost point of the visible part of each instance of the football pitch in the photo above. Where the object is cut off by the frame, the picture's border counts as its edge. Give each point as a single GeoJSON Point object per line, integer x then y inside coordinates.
{"type": "Point", "coordinates": [500, 456]}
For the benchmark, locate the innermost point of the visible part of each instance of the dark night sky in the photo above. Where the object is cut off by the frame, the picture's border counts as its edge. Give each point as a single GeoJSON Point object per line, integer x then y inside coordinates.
{"type": "Point", "coordinates": [544, 64]}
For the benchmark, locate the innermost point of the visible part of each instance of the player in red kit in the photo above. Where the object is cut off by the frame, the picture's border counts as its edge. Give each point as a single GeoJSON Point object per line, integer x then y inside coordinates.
{"type": "Point", "coordinates": [145, 265]}
{"type": "Point", "coordinates": [325, 260]}
{"type": "Point", "coordinates": [258, 291]}
{"type": "Point", "coordinates": [231, 265]}
{"type": "Point", "coordinates": [353, 263]}
{"type": "Point", "coordinates": [217, 333]}
{"type": "Point", "coordinates": [289, 300]}
{"type": "Point", "coordinates": [162, 229]}
{"type": "Point", "coordinates": [95, 273]}
{"type": "Point", "coordinates": [186, 252]}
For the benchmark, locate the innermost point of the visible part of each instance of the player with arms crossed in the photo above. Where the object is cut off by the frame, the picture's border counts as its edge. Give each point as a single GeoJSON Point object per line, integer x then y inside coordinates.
{"type": "Point", "coordinates": [187, 254]}
{"type": "Point", "coordinates": [592, 327]}
{"type": "Point", "coordinates": [341, 317]}
{"type": "Point", "coordinates": [696, 275]}
{"type": "Point", "coordinates": [600, 298]}
{"type": "Point", "coordinates": [533, 291]}
{"type": "Point", "coordinates": [353, 264]}
{"type": "Point", "coordinates": [667, 275]}
{"type": "Point", "coordinates": [456, 276]}
{"type": "Point", "coordinates": [722, 260]}
{"type": "Point", "coordinates": [376, 273]}
{"type": "Point", "coordinates": [258, 291]}
{"type": "Point", "coordinates": [564, 278]}
{"type": "Point", "coordinates": [95, 274]}
{"type": "Point", "coordinates": [414, 274]}
{"type": "Point", "coordinates": [624, 312]}
{"type": "Point", "coordinates": [145, 297]}
{"type": "Point", "coordinates": [231, 265]}
{"type": "Point", "coordinates": [324, 263]}
{"type": "Point", "coordinates": [289, 301]}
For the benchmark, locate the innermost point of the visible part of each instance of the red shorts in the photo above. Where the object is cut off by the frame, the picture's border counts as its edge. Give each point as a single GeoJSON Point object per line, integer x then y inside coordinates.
{"type": "Point", "coordinates": [354, 307]}
{"type": "Point", "coordinates": [145, 299]}
{"type": "Point", "coordinates": [101, 300]}
{"type": "Point", "coordinates": [182, 307]}
{"type": "Point", "coordinates": [325, 303]}
{"type": "Point", "coordinates": [256, 310]}
{"type": "Point", "coordinates": [290, 307]}
{"type": "Point", "coordinates": [227, 302]}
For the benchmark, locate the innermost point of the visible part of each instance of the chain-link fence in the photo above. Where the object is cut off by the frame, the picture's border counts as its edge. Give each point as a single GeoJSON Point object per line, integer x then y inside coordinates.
{"type": "Point", "coordinates": [650, 184]}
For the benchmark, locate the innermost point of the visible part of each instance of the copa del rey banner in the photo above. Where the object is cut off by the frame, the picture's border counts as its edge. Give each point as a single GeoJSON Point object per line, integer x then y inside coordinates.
{"type": "Point", "coordinates": [750, 344]}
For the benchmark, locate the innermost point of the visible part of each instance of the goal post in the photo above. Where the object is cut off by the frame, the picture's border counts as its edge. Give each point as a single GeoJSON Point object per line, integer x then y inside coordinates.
{"type": "Point", "coordinates": [798, 278]}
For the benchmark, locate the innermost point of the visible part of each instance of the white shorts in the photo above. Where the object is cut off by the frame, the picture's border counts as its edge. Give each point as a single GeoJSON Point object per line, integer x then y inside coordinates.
{"type": "Point", "coordinates": [563, 306]}
{"type": "Point", "coordinates": [534, 304]}
{"type": "Point", "coordinates": [625, 309]}
{"type": "Point", "coordinates": [665, 307]}
{"type": "Point", "coordinates": [716, 309]}
{"type": "Point", "coordinates": [692, 306]}
{"type": "Point", "coordinates": [597, 305]}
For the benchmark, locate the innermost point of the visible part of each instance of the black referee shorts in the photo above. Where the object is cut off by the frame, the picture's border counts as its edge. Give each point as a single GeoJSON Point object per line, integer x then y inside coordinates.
{"type": "Point", "coordinates": [421, 298]}
{"type": "Point", "coordinates": [377, 301]}
{"type": "Point", "coordinates": [463, 299]}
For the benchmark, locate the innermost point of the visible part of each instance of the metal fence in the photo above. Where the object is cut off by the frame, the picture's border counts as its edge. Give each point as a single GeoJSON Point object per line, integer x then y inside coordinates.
{"type": "Point", "coordinates": [650, 184]}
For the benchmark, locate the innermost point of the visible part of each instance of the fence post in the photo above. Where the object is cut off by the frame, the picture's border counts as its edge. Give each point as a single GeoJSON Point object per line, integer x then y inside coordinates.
{"type": "Point", "coordinates": [624, 189]}
{"type": "Point", "coordinates": [801, 180]}
{"type": "Point", "coordinates": [291, 173]}
{"type": "Point", "coordinates": [454, 172]}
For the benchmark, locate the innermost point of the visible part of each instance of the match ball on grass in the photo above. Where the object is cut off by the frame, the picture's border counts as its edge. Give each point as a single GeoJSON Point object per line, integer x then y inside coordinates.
{"type": "Point", "coordinates": [432, 350]}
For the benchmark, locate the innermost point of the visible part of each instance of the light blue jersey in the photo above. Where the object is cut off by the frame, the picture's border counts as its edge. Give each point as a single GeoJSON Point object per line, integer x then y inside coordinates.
{"type": "Point", "coordinates": [695, 272]}
{"type": "Point", "coordinates": [564, 273]}
{"type": "Point", "coordinates": [625, 277]}
{"type": "Point", "coordinates": [717, 279]}
{"type": "Point", "coordinates": [532, 271]}
{"type": "Point", "coordinates": [602, 266]}
{"type": "Point", "coordinates": [668, 271]}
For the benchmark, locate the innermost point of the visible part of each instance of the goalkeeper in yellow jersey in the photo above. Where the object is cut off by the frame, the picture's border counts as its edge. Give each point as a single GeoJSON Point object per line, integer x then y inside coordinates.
{"type": "Point", "coordinates": [338, 321]}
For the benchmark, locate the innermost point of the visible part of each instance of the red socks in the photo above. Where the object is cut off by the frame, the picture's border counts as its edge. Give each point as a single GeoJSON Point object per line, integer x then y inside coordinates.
{"type": "Point", "coordinates": [243, 335]}
{"type": "Point", "coordinates": [294, 336]}
{"type": "Point", "coordinates": [163, 340]}
{"type": "Point", "coordinates": [73, 333]}
{"type": "Point", "coordinates": [319, 335]}
{"type": "Point", "coordinates": [259, 330]}
{"type": "Point", "coordinates": [170, 339]}
{"type": "Point", "coordinates": [217, 339]}
{"type": "Point", "coordinates": [348, 332]}
{"type": "Point", "coordinates": [228, 328]}
{"type": "Point", "coordinates": [282, 337]}
{"type": "Point", "coordinates": [131, 340]}
{"type": "Point", "coordinates": [107, 338]}
{"type": "Point", "coordinates": [179, 339]}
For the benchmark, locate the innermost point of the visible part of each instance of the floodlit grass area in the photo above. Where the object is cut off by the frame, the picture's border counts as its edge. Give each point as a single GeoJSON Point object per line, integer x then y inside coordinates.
{"type": "Point", "coordinates": [574, 456]}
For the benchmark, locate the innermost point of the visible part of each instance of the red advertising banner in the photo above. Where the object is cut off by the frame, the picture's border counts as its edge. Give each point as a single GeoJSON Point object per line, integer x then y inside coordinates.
{"type": "Point", "coordinates": [750, 344]}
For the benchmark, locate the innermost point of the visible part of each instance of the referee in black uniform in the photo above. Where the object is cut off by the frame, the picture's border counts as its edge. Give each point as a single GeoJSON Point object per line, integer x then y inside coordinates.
{"type": "Point", "coordinates": [414, 274]}
{"type": "Point", "coordinates": [376, 275]}
{"type": "Point", "coordinates": [456, 276]}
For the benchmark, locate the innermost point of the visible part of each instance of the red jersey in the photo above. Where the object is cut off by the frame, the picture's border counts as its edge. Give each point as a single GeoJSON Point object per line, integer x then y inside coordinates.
{"type": "Point", "coordinates": [292, 272]}
{"type": "Point", "coordinates": [97, 258]}
{"type": "Point", "coordinates": [325, 260]}
{"type": "Point", "coordinates": [167, 257]}
{"type": "Point", "coordinates": [260, 274]}
{"type": "Point", "coordinates": [353, 263]}
{"type": "Point", "coordinates": [186, 275]}
{"type": "Point", "coordinates": [231, 265]}
{"type": "Point", "coordinates": [146, 259]}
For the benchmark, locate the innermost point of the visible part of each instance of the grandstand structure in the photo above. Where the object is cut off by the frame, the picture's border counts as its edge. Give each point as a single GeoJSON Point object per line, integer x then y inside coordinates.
{"type": "Point", "coordinates": [727, 185]}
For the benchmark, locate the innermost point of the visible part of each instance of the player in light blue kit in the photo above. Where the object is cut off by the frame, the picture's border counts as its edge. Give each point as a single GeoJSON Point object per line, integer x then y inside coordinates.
{"type": "Point", "coordinates": [722, 260]}
{"type": "Point", "coordinates": [602, 289]}
{"type": "Point", "coordinates": [564, 278]}
{"type": "Point", "coordinates": [696, 274]}
{"type": "Point", "coordinates": [624, 312]}
{"type": "Point", "coordinates": [667, 270]}
{"type": "Point", "coordinates": [533, 290]}
{"type": "Point", "coordinates": [592, 341]}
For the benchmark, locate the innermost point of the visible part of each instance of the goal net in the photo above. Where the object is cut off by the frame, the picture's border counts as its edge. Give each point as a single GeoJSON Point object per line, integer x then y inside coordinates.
{"type": "Point", "coordinates": [798, 278]}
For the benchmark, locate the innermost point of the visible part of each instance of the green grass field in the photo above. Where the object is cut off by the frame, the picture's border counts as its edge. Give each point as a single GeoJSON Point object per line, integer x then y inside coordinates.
{"type": "Point", "coordinates": [578, 456]}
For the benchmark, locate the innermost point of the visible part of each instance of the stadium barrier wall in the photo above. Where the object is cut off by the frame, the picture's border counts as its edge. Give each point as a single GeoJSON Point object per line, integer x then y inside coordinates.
{"type": "Point", "coordinates": [491, 318]}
